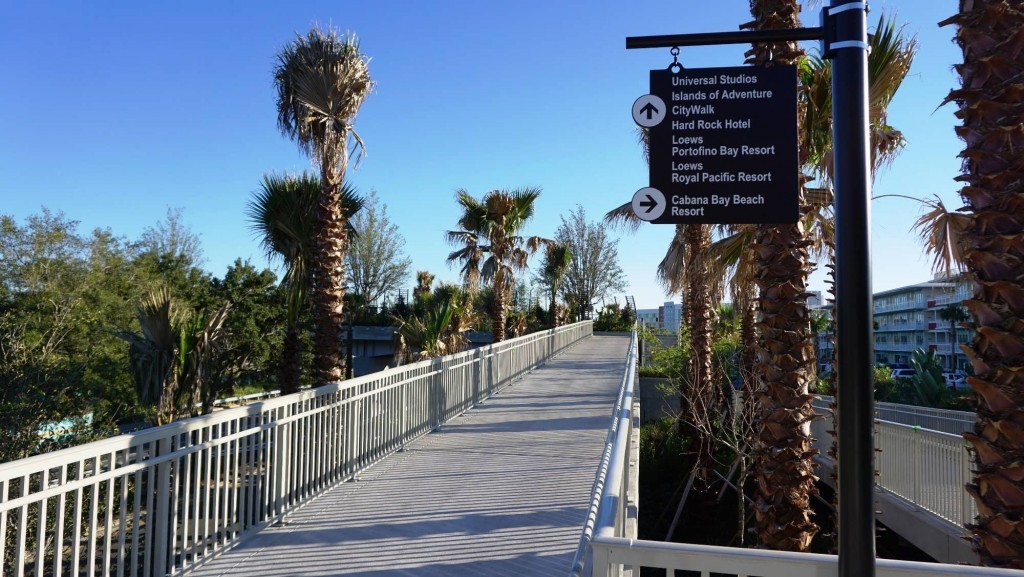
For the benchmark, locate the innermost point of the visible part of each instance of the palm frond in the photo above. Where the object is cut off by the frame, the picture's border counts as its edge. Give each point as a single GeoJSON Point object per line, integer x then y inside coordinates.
{"type": "Point", "coordinates": [941, 233]}
{"type": "Point", "coordinates": [624, 217]}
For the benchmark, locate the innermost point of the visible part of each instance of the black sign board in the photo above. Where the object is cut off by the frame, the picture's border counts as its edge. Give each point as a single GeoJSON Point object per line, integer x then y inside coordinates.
{"type": "Point", "coordinates": [723, 146]}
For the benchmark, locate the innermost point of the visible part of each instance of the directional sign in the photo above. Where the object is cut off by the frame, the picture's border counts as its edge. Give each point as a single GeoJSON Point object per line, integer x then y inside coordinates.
{"type": "Point", "coordinates": [648, 204]}
{"type": "Point", "coordinates": [649, 110]}
{"type": "Point", "coordinates": [725, 149]}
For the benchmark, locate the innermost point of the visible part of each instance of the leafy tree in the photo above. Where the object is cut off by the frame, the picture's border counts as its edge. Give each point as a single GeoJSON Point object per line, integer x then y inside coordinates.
{"type": "Point", "coordinates": [491, 226]}
{"type": "Point", "coordinates": [594, 272]}
{"type": "Point", "coordinates": [322, 80]}
{"type": "Point", "coordinates": [989, 107]}
{"type": "Point", "coordinates": [376, 263]}
{"type": "Point", "coordinates": [173, 238]}
{"type": "Point", "coordinates": [258, 311]}
{"type": "Point", "coordinates": [58, 363]}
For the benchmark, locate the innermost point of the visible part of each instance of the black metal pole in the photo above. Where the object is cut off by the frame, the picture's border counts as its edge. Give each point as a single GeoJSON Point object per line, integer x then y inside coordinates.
{"type": "Point", "coordinates": [852, 181]}
{"type": "Point", "coordinates": [716, 38]}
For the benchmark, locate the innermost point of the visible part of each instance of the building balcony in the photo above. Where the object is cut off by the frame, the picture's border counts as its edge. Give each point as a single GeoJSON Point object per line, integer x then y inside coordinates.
{"type": "Point", "coordinates": [902, 347]}
{"type": "Point", "coordinates": [892, 327]}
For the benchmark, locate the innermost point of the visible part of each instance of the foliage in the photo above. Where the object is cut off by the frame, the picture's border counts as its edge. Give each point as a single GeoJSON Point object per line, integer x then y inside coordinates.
{"type": "Point", "coordinates": [322, 80]}
{"type": "Point", "coordinates": [177, 356]}
{"type": "Point", "coordinates": [375, 260]}
{"type": "Point", "coordinates": [282, 214]}
{"type": "Point", "coordinates": [64, 295]}
{"type": "Point", "coordinates": [929, 386]}
{"type": "Point", "coordinates": [491, 227]}
{"type": "Point", "coordinates": [258, 311]}
{"type": "Point", "coordinates": [612, 318]}
{"type": "Point", "coordinates": [594, 272]}
{"type": "Point", "coordinates": [557, 259]}
{"type": "Point", "coordinates": [173, 238]}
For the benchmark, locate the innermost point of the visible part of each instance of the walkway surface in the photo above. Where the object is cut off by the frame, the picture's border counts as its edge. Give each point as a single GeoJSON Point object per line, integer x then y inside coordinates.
{"type": "Point", "coordinates": [502, 490]}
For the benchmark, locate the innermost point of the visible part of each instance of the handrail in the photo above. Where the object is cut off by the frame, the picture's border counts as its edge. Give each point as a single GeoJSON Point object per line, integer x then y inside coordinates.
{"type": "Point", "coordinates": [165, 500]}
{"type": "Point", "coordinates": [607, 483]}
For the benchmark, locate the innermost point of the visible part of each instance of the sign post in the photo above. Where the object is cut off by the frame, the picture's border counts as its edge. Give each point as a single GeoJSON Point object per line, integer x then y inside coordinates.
{"type": "Point", "coordinates": [844, 38]}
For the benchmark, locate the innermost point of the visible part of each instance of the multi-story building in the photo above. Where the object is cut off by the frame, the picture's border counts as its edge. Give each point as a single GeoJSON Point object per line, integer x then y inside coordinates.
{"type": "Point", "coordinates": [668, 316]}
{"type": "Point", "coordinates": [918, 316]}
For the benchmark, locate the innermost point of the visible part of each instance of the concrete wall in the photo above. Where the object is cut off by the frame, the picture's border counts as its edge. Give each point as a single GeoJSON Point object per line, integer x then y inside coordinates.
{"type": "Point", "coordinates": [655, 402]}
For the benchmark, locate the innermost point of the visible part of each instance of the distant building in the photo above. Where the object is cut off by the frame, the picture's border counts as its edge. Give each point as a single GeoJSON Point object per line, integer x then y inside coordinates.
{"type": "Point", "coordinates": [669, 317]}
{"type": "Point", "coordinates": [910, 318]}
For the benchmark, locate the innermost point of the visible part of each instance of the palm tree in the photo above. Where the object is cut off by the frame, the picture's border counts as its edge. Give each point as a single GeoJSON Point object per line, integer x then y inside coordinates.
{"type": "Point", "coordinates": [954, 314]}
{"type": "Point", "coordinates": [989, 107]}
{"type": "Point", "coordinates": [173, 353]}
{"type": "Point", "coordinates": [282, 214]}
{"type": "Point", "coordinates": [496, 220]}
{"type": "Point", "coordinates": [322, 80]}
{"type": "Point", "coordinates": [684, 270]}
{"type": "Point", "coordinates": [557, 258]}
{"type": "Point", "coordinates": [784, 469]}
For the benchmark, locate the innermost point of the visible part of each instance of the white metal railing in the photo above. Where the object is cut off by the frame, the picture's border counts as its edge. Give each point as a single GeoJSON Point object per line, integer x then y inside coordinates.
{"type": "Point", "coordinates": [926, 467]}
{"type": "Point", "coordinates": [616, 552]}
{"type": "Point", "coordinates": [943, 420]}
{"type": "Point", "coordinates": [164, 500]}
{"type": "Point", "coordinates": [610, 503]}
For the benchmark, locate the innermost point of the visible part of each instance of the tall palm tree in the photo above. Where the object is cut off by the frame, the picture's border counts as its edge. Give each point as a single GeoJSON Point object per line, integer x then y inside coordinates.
{"type": "Point", "coordinates": [990, 107]}
{"type": "Point", "coordinates": [322, 80]}
{"type": "Point", "coordinates": [496, 220]}
{"type": "Point", "coordinates": [282, 214]}
{"type": "Point", "coordinates": [784, 468]}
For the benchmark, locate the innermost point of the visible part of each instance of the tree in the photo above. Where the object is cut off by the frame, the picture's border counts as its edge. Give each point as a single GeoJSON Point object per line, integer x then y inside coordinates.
{"type": "Point", "coordinates": [989, 107]}
{"type": "Point", "coordinates": [954, 314]}
{"type": "Point", "coordinates": [557, 259]}
{"type": "Point", "coordinates": [258, 312]}
{"type": "Point", "coordinates": [322, 80]}
{"type": "Point", "coordinates": [785, 352]}
{"type": "Point", "coordinates": [174, 355]}
{"type": "Point", "coordinates": [282, 213]}
{"type": "Point", "coordinates": [375, 260]}
{"type": "Point", "coordinates": [59, 293]}
{"type": "Point", "coordinates": [173, 238]}
{"type": "Point", "coordinates": [594, 272]}
{"type": "Point", "coordinates": [496, 219]}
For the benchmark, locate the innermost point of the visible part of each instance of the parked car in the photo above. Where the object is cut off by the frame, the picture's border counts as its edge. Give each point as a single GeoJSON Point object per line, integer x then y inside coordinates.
{"type": "Point", "coordinates": [954, 380]}
{"type": "Point", "coordinates": [903, 373]}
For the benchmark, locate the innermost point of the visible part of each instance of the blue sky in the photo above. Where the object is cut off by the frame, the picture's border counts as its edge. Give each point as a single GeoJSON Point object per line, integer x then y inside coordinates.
{"type": "Point", "coordinates": [113, 112]}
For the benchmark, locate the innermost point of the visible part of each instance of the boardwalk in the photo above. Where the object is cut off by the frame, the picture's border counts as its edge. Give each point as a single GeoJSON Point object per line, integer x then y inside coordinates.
{"type": "Point", "coordinates": [500, 491]}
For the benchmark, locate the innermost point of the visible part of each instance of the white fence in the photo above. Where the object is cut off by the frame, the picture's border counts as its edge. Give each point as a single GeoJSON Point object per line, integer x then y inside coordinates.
{"type": "Point", "coordinates": [614, 550]}
{"type": "Point", "coordinates": [926, 467]}
{"type": "Point", "coordinates": [943, 420]}
{"type": "Point", "coordinates": [161, 501]}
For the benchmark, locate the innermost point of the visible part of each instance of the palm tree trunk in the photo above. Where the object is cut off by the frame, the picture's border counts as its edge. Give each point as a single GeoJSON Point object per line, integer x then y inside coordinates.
{"type": "Point", "coordinates": [328, 292]}
{"type": "Point", "coordinates": [990, 34]}
{"type": "Point", "coordinates": [500, 306]}
{"type": "Point", "coordinates": [701, 400]}
{"type": "Point", "coordinates": [784, 466]}
{"type": "Point", "coordinates": [553, 310]}
{"type": "Point", "coordinates": [290, 369]}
